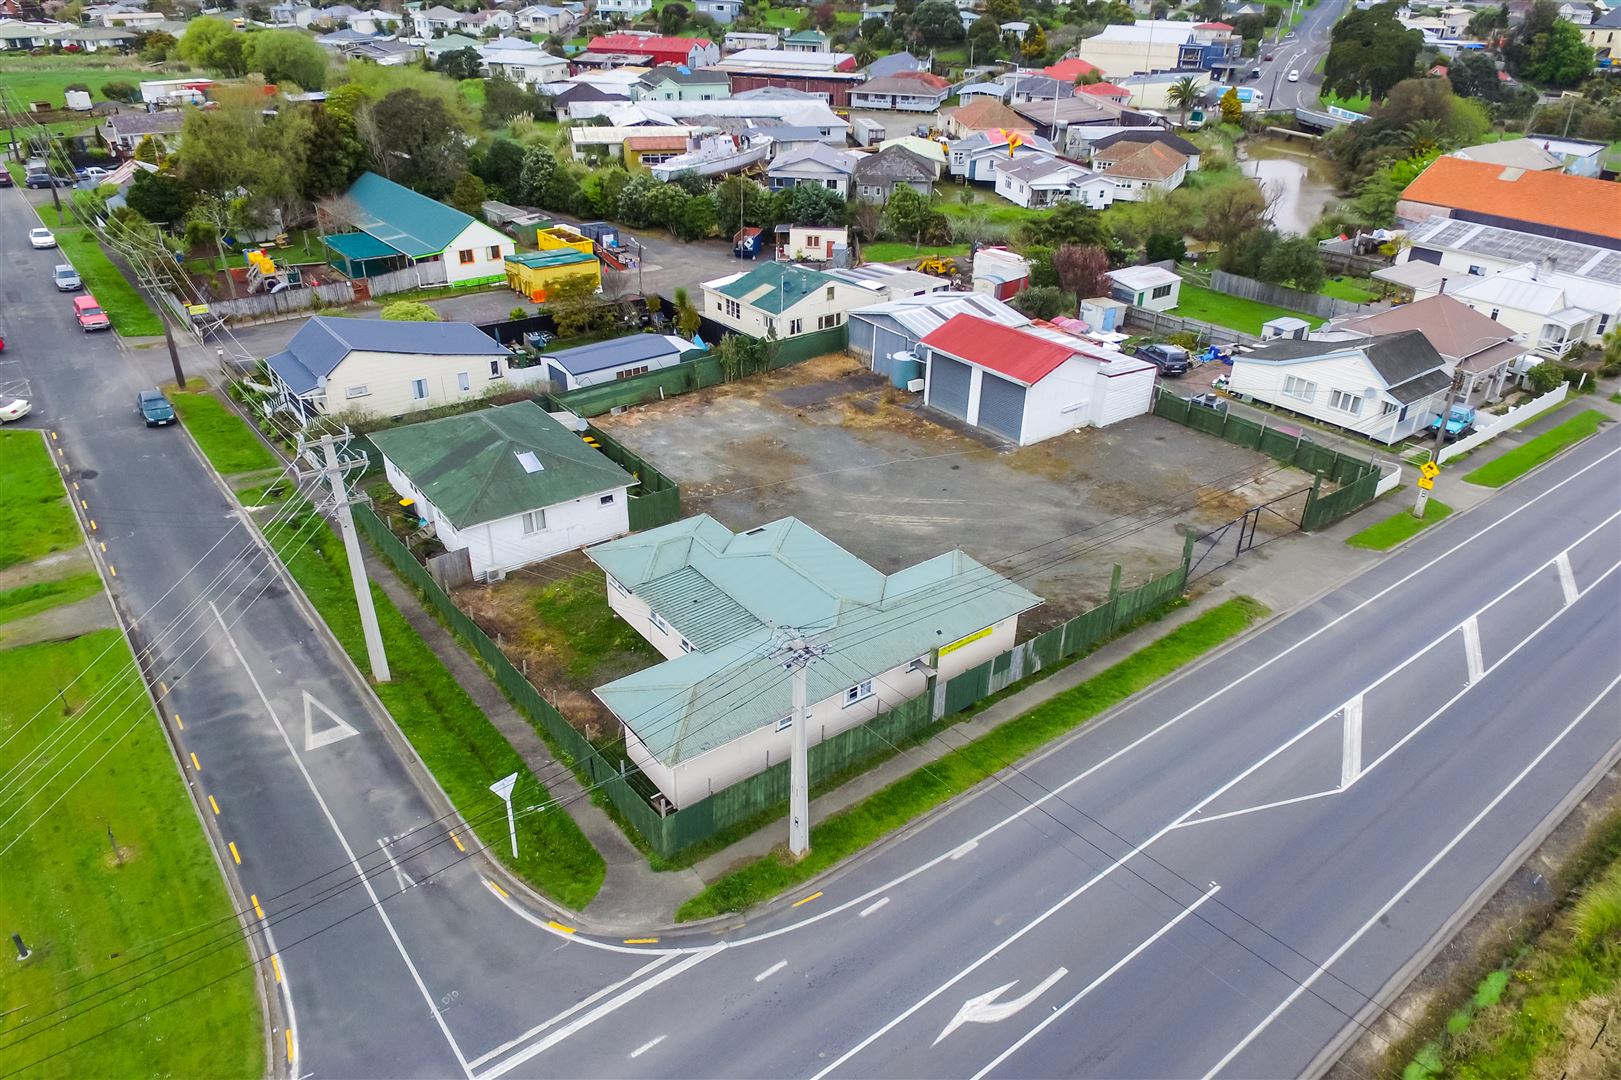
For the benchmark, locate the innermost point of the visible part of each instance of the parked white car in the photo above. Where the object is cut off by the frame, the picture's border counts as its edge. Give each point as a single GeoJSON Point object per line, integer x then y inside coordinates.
{"type": "Point", "coordinates": [41, 238]}
{"type": "Point", "coordinates": [13, 409]}
{"type": "Point", "coordinates": [1294, 75]}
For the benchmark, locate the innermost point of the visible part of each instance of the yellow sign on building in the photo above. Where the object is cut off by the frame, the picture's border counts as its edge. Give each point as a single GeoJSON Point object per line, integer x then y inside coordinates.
{"type": "Point", "coordinates": [969, 640]}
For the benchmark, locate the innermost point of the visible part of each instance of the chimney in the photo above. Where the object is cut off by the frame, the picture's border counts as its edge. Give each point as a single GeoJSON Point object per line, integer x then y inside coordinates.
{"type": "Point", "coordinates": [1549, 263]}
{"type": "Point", "coordinates": [1443, 287]}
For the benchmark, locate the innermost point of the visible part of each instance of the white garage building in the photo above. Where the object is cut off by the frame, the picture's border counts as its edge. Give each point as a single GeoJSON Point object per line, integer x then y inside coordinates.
{"type": "Point", "coordinates": [1026, 384]}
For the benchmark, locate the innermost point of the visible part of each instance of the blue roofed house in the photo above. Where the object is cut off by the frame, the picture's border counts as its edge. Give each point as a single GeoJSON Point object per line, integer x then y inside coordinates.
{"type": "Point", "coordinates": [718, 710]}
{"type": "Point", "coordinates": [372, 367]}
{"type": "Point", "coordinates": [398, 228]}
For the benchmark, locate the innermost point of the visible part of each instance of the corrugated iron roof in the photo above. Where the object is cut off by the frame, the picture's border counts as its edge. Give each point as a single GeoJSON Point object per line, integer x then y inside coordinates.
{"type": "Point", "coordinates": [1006, 350]}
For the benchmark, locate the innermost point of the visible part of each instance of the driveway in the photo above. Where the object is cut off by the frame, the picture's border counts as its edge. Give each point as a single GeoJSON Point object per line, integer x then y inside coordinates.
{"type": "Point", "coordinates": [830, 443]}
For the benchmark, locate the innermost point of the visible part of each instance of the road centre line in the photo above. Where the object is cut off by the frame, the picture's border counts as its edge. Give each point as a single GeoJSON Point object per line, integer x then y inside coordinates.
{"type": "Point", "coordinates": [870, 908]}
{"type": "Point", "coordinates": [343, 841]}
{"type": "Point", "coordinates": [770, 971]}
{"type": "Point", "coordinates": [646, 1046]}
{"type": "Point", "coordinates": [1097, 982]}
{"type": "Point", "coordinates": [1374, 919]}
{"type": "Point", "coordinates": [1183, 819]}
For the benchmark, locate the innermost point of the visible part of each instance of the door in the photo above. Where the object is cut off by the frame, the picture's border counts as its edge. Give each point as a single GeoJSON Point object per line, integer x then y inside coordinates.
{"type": "Point", "coordinates": [1001, 406]}
{"type": "Point", "coordinates": [948, 385]}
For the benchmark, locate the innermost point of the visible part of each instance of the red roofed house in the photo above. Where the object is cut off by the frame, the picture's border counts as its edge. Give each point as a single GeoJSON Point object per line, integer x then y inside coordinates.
{"type": "Point", "coordinates": [1071, 69]}
{"type": "Point", "coordinates": [1575, 208]}
{"type": "Point", "coordinates": [1108, 91]}
{"type": "Point", "coordinates": [693, 52]}
{"type": "Point", "coordinates": [1026, 384]}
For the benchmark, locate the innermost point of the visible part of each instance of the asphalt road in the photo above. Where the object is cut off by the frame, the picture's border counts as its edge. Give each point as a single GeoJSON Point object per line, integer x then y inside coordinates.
{"type": "Point", "coordinates": [1223, 877]}
{"type": "Point", "coordinates": [1300, 52]}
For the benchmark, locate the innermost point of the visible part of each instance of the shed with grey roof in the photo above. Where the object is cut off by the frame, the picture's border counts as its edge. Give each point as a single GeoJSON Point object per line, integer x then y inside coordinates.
{"type": "Point", "coordinates": [619, 358]}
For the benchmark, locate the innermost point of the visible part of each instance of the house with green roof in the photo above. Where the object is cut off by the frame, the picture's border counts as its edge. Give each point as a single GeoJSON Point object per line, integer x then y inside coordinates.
{"type": "Point", "coordinates": [508, 485]}
{"type": "Point", "coordinates": [781, 299]}
{"type": "Point", "coordinates": [718, 604]}
{"type": "Point", "coordinates": [396, 228]}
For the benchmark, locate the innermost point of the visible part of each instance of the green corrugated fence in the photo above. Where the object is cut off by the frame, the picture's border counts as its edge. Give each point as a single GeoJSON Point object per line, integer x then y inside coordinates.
{"type": "Point", "coordinates": [656, 499]}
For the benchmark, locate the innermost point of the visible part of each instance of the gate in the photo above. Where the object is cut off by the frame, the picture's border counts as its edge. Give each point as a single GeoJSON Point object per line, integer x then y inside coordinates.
{"type": "Point", "coordinates": [1270, 520]}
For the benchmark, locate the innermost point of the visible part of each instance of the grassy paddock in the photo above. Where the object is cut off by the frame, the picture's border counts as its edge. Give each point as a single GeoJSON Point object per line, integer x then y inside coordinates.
{"type": "Point", "coordinates": [46, 78]}
{"type": "Point", "coordinates": [1386, 534]}
{"type": "Point", "coordinates": [1233, 312]}
{"type": "Point", "coordinates": [846, 833]}
{"type": "Point", "coordinates": [37, 519]}
{"type": "Point", "coordinates": [895, 251]}
{"type": "Point", "coordinates": [1522, 459]}
{"type": "Point", "coordinates": [26, 600]}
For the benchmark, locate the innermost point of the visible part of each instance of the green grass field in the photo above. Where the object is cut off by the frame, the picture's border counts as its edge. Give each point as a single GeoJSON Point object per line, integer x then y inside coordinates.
{"type": "Point", "coordinates": [903, 801]}
{"type": "Point", "coordinates": [1347, 290]}
{"type": "Point", "coordinates": [1233, 312]}
{"type": "Point", "coordinates": [1386, 534]}
{"type": "Point", "coordinates": [123, 303]}
{"type": "Point", "coordinates": [37, 518]}
{"type": "Point", "coordinates": [26, 600]}
{"type": "Point", "coordinates": [1522, 459]}
{"type": "Point", "coordinates": [1359, 104]}
{"type": "Point", "coordinates": [46, 78]}
{"type": "Point", "coordinates": [895, 251]}
{"type": "Point", "coordinates": [577, 625]}
{"type": "Point", "coordinates": [225, 441]}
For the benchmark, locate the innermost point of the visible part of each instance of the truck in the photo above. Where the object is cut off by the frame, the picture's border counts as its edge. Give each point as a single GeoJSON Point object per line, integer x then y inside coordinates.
{"type": "Point", "coordinates": [866, 132]}
{"type": "Point", "coordinates": [1460, 421]}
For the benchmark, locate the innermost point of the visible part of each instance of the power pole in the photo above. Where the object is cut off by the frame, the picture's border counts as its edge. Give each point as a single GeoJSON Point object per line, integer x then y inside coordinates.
{"type": "Point", "coordinates": [1435, 451]}
{"type": "Point", "coordinates": [796, 657]}
{"type": "Point", "coordinates": [168, 338]}
{"type": "Point", "coordinates": [334, 472]}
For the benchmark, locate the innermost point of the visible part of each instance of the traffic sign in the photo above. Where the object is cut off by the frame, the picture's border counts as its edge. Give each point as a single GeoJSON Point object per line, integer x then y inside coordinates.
{"type": "Point", "coordinates": [1426, 483]}
{"type": "Point", "coordinates": [1430, 470]}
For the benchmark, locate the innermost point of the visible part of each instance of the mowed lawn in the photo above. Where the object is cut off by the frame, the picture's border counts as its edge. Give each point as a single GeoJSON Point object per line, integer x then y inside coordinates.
{"type": "Point", "coordinates": [123, 303]}
{"type": "Point", "coordinates": [37, 519]}
{"type": "Point", "coordinates": [47, 78]}
{"type": "Point", "coordinates": [111, 882]}
{"type": "Point", "coordinates": [220, 433]}
{"type": "Point", "coordinates": [1233, 312]}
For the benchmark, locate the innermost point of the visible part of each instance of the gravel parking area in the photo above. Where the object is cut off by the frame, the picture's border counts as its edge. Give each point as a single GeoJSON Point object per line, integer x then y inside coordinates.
{"type": "Point", "coordinates": [830, 443]}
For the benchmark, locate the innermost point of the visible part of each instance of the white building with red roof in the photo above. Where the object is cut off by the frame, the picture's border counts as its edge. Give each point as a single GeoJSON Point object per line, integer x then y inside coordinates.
{"type": "Point", "coordinates": [1026, 384]}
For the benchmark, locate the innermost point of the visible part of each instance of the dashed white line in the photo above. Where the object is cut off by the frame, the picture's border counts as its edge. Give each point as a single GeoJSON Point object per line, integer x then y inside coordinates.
{"type": "Point", "coordinates": [964, 849]}
{"type": "Point", "coordinates": [1567, 577]}
{"type": "Point", "coordinates": [770, 971]}
{"type": "Point", "coordinates": [874, 906]}
{"type": "Point", "coordinates": [646, 1046]}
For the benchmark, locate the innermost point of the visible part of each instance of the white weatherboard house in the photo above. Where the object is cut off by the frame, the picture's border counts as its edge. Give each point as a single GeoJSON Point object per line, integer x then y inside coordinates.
{"type": "Point", "coordinates": [1151, 287]}
{"type": "Point", "coordinates": [398, 227]}
{"type": "Point", "coordinates": [781, 299]}
{"type": "Point", "coordinates": [607, 361]}
{"type": "Point", "coordinates": [378, 368]}
{"type": "Point", "coordinates": [508, 485]}
{"type": "Point", "coordinates": [719, 709]}
{"type": "Point", "coordinates": [1385, 387]}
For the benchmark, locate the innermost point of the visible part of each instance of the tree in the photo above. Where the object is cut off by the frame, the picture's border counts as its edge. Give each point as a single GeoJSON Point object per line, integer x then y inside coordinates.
{"type": "Point", "coordinates": [1003, 10]}
{"type": "Point", "coordinates": [1230, 212]}
{"type": "Point", "coordinates": [1166, 247]}
{"type": "Point", "coordinates": [157, 47]}
{"type": "Point", "coordinates": [1246, 254]}
{"type": "Point", "coordinates": [1184, 94]}
{"type": "Point", "coordinates": [696, 219]}
{"type": "Point", "coordinates": [501, 166]}
{"type": "Point", "coordinates": [1538, 20]}
{"type": "Point", "coordinates": [504, 99]}
{"type": "Point", "coordinates": [287, 56]}
{"type": "Point", "coordinates": [740, 202]}
{"type": "Point", "coordinates": [333, 157]}
{"type": "Point", "coordinates": [1423, 137]}
{"type": "Point", "coordinates": [1473, 74]}
{"type": "Point", "coordinates": [214, 43]}
{"type": "Point", "coordinates": [158, 197]}
{"type": "Point", "coordinates": [1294, 261]}
{"type": "Point", "coordinates": [1082, 271]}
{"type": "Point", "coordinates": [807, 205]}
{"type": "Point", "coordinates": [672, 18]}
{"type": "Point", "coordinates": [459, 63]}
{"type": "Point", "coordinates": [409, 311]}
{"type": "Point", "coordinates": [468, 195]}
{"type": "Point", "coordinates": [418, 141]}
{"type": "Point", "coordinates": [121, 91]}
{"type": "Point", "coordinates": [1560, 57]}
{"type": "Point", "coordinates": [1034, 45]}
{"type": "Point", "coordinates": [1232, 110]}
{"type": "Point", "coordinates": [823, 16]}
{"type": "Point", "coordinates": [1371, 51]}
{"type": "Point", "coordinates": [864, 52]}
{"type": "Point", "coordinates": [936, 22]}
{"type": "Point", "coordinates": [906, 214]}
{"type": "Point", "coordinates": [1067, 223]}
{"type": "Point", "coordinates": [1483, 23]}
{"type": "Point", "coordinates": [687, 319]}
{"type": "Point", "coordinates": [209, 220]}
{"type": "Point", "coordinates": [1043, 302]}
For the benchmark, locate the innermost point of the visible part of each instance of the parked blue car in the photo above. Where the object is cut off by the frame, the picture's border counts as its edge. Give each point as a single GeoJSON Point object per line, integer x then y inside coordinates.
{"type": "Point", "coordinates": [1460, 422]}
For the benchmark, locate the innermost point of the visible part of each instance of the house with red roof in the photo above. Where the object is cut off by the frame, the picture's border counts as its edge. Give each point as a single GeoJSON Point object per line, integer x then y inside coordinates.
{"type": "Point", "coordinates": [1029, 383]}
{"type": "Point", "coordinates": [1071, 69]}
{"type": "Point", "coordinates": [693, 52]}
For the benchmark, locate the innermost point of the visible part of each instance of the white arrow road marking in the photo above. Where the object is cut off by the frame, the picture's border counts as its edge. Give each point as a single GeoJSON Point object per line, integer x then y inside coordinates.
{"type": "Point", "coordinates": [401, 878]}
{"type": "Point", "coordinates": [337, 731]}
{"type": "Point", "coordinates": [985, 1009]}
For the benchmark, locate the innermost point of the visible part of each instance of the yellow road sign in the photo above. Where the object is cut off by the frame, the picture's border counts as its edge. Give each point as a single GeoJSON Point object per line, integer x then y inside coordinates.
{"type": "Point", "coordinates": [1426, 483]}
{"type": "Point", "coordinates": [1430, 470]}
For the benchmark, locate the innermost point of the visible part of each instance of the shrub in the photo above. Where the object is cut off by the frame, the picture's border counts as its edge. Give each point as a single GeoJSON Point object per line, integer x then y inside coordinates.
{"type": "Point", "coordinates": [409, 311]}
{"type": "Point", "coordinates": [1545, 377]}
{"type": "Point", "coordinates": [121, 91]}
{"type": "Point", "coordinates": [517, 313]}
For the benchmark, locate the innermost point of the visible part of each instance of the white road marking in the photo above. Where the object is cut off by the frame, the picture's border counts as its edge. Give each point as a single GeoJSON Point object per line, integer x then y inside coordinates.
{"type": "Point", "coordinates": [770, 971]}
{"type": "Point", "coordinates": [646, 1046]}
{"type": "Point", "coordinates": [285, 987]}
{"type": "Point", "coordinates": [1351, 748]}
{"type": "Point", "coordinates": [401, 878]}
{"type": "Point", "coordinates": [1097, 982]}
{"type": "Point", "coordinates": [343, 841]}
{"type": "Point", "coordinates": [336, 730]}
{"type": "Point", "coordinates": [1258, 809]}
{"type": "Point", "coordinates": [584, 1003]}
{"type": "Point", "coordinates": [964, 849]}
{"type": "Point", "coordinates": [1471, 644]}
{"type": "Point", "coordinates": [985, 1009]}
{"type": "Point", "coordinates": [874, 906]}
{"type": "Point", "coordinates": [1412, 882]}
{"type": "Point", "coordinates": [1567, 576]}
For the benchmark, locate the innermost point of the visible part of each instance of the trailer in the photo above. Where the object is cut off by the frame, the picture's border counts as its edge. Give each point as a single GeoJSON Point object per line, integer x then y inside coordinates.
{"type": "Point", "coordinates": [866, 132]}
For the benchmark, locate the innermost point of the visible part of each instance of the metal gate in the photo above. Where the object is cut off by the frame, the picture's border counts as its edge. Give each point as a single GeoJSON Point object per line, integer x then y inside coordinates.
{"type": "Point", "coordinates": [1001, 406]}
{"type": "Point", "coordinates": [948, 385]}
{"type": "Point", "coordinates": [1255, 527]}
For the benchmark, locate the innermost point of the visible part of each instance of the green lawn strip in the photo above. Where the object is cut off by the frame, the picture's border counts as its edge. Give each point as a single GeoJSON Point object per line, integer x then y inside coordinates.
{"type": "Point", "coordinates": [1386, 534]}
{"type": "Point", "coordinates": [848, 832]}
{"type": "Point", "coordinates": [453, 737]}
{"type": "Point", "coordinates": [225, 440]}
{"type": "Point", "coordinates": [79, 903]}
{"type": "Point", "coordinates": [1522, 459]}
{"type": "Point", "coordinates": [1345, 290]}
{"type": "Point", "coordinates": [1233, 312]}
{"type": "Point", "coordinates": [893, 251]}
{"type": "Point", "coordinates": [37, 519]}
{"type": "Point", "coordinates": [40, 596]}
{"type": "Point", "coordinates": [129, 311]}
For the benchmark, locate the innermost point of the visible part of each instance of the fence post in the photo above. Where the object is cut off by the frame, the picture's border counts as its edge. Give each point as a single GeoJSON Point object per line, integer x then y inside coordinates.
{"type": "Point", "coordinates": [1187, 556]}
{"type": "Point", "coordinates": [1114, 581]}
{"type": "Point", "coordinates": [1308, 520]}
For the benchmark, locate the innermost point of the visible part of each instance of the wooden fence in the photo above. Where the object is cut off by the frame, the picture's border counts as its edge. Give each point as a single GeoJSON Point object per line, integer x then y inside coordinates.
{"type": "Point", "coordinates": [1264, 292]}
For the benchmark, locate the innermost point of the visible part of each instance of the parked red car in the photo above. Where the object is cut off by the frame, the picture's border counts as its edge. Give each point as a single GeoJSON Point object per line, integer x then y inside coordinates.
{"type": "Point", "coordinates": [89, 314]}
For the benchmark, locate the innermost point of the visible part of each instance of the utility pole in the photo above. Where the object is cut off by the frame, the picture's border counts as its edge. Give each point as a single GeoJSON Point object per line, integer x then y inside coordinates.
{"type": "Point", "coordinates": [1435, 451]}
{"type": "Point", "coordinates": [334, 472]}
{"type": "Point", "coordinates": [796, 657]}
{"type": "Point", "coordinates": [168, 338]}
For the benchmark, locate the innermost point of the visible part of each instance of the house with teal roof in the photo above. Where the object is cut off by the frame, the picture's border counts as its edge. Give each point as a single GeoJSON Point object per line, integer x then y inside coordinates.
{"type": "Point", "coordinates": [782, 300]}
{"type": "Point", "coordinates": [719, 604]}
{"type": "Point", "coordinates": [396, 228]}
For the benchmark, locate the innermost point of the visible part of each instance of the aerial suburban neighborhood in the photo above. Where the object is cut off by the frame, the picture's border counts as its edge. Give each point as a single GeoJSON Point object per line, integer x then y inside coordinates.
{"type": "Point", "coordinates": [810, 538]}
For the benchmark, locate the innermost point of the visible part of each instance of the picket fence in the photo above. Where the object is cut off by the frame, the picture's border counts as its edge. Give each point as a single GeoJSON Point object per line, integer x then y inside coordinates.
{"type": "Point", "coordinates": [1505, 422]}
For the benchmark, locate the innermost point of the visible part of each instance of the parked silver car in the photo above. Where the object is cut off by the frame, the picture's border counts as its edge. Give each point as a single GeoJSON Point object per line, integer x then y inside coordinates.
{"type": "Point", "coordinates": [66, 278]}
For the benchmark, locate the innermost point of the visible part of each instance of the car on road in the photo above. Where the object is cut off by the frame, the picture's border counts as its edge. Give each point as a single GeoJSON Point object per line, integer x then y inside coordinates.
{"type": "Point", "coordinates": [1460, 422]}
{"type": "Point", "coordinates": [89, 314]}
{"type": "Point", "coordinates": [66, 278]}
{"type": "Point", "coordinates": [1255, 73]}
{"type": "Point", "coordinates": [1294, 74]}
{"type": "Point", "coordinates": [13, 408]}
{"type": "Point", "coordinates": [154, 408]}
{"type": "Point", "coordinates": [1267, 57]}
{"type": "Point", "coordinates": [45, 180]}
{"type": "Point", "coordinates": [5, 178]}
{"type": "Point", "coordinates": [1170, 359]}
{"type": "Point", "coordinates": [41, 239]}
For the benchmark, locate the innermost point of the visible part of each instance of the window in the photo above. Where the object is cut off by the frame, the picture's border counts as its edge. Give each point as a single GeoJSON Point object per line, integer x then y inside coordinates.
{"type": "Point", "coordinates": [419, 389]}
{"type": "Point", "coordinates": [733, 309]}
{"type": "Point", "coordinates": [1390, 407]}
{"type": "Point", "coordinates": [1344, 402]}
{"type": "Point", "coordinates": [530, 461]}
{"type": "Point", "coordinates": [1160, 292]}
{"type": "Point", "coordinates": [830, 294]}
{"type": "Point", "coordinates": [628, 372]}
{"type": "Point", "coordinates": [1299, 389]}
{"type": "Point", "coordinates": [495, 252]}
{"type": "Point", "coordinates": [464, 380]}
{"type": "Point", "coordinates": [605, 500]}
{"type": "Point", "coordinates": [1496, 312]}
{"type": "Point", "coordinates": [859, 692]}
{"type": "Point", "coordinates": [1476, 271]}
{"type": "Point", "coordinates": [613, 582]}
{"type": "Point", "coordinates": [828, 321]}
{"type": "Point", "coordinates": [495, 369]}
{"type": "Point", "coordinates": [785, 723]}
{"type": "Point", "coordinates": [659, 624]}
{"type": "Point", "coordinates": [770, 327]}
{"type": "Point", "coordinates": [796, 326]}
{"type": "Point", "coordinates": [686, 646]}
{"type": "Point", "coordinates": [534, 521]}
{"type": "Point", "coordinates": [357, 391]}
{"type": "Point", "coordinates": [465, 256]}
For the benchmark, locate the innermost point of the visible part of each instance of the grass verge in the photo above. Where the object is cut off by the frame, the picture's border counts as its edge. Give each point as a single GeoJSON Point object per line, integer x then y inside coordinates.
{"type": "Point", "coordinates": [225, 441]}
{"type": "Point", "coordinates": [38, 519]}
{"type": "Point", "coordinates": [1522, 459]}
{"type": "Point", "coordinates": [1233, 312]}
{"type": "Point", "coordinates": [1386, 534]}
{"type": "Point", "coordinates": [846, 833]}
{"type": "Point", "coordinates": [26, 600]}
{"type": "Point", "coordinates": [128, 310]}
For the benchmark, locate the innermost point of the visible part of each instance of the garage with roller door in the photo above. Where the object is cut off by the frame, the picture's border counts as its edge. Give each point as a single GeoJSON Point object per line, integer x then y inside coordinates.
{"type": "Point", "coordinates": [1029, 383]}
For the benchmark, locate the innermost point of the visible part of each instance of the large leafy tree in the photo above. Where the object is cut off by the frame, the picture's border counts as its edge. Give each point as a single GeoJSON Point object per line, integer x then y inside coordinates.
{"type": "Point", "coordinates": [158, 197]}
{"type": "Point", "coordinates": [214, 44]}
{"type": "Point", "coordinates": [1371, 52]}
{"type": "Point", "coordinates": [936, 22]}
{"type": "Point", "coordinates": [807, 205]}
{"type": "Point", "coordinates": [418, 142]}
{"type": "Point", "coordinates": [1473, 74]}
{"type": "Point", "coordinates": [1082, 271]}
{"type": "Point", "coordinates": [459, 63]}
{"type": "Point", "coordinates": [501, 166]}
{"type": "Point", "coordinates": [1294, 261]}
{"type": "Point", "coordinates": [1560, 57]}
{"type": "Point", "coordinates": [334, 156]}
{"type": "Point", "coordinates": [287, 56]}
{"type": "Point", "coordinates": [1068, 223]}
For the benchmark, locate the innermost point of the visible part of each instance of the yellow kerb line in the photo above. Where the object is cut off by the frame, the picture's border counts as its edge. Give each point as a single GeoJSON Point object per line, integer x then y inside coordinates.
{"type": "Point", "coordinates": [559, 927]}
{"type": "Point", "coordinates": [181, 723]}
{"type": "Point", "coordinates": [111, 569]}
{"type": "Point", "coordinates": [458, 840]}
{"type": "Point", "coordinates": [257, 910]}
{"type": "Point", "coordinates": [289, 1046]}
{"type": "Point", "coordinates": [234, 853]}
{"type": "Point", "coordinates": [195, 764]}
{"type": "Point", "coordinates": [498, 890]}
{"type": "Point", "coordinates": [214, 805]}
{"type": "Point", "coordinates": [641, 941]}
{"type": "Point", "coordinates": [275, 967]}
{"type": "Point", "coordinates": [807, 899]}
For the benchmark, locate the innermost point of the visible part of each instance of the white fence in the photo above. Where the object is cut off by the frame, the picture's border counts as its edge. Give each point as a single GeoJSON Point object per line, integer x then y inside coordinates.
{"type": "Point", "coordinates": [1504, 422]}
{"type": "Point", "coordinates": [1390, 481]}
